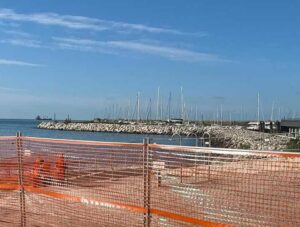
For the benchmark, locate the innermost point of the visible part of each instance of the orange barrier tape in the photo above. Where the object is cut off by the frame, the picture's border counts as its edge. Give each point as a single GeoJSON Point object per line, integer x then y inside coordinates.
{"type": "Point", "coordinates": [9, 187]}
{"type": "Point", "coordinates": [8, 137]}
{"type": "Point", "coordinates": [82, 142]}
{"type": "Point", "coordinates": [9, 179]}
{"type": "Point", "coordinates": [282, 154]}
{"type": "Point", "coordinates": [172, 147]}
{"type": "Point", "coordinates": [152, 146]}
{"type": "Point", "coordinates": [224, 150]}
{"type": "Point", "coordinates": [186, 219]}
{"type": "Point", "coordinates": [84, 200]}
{"type": "Point", "coordinates": [51, 193]}
{"type": "Point", "coordinates": [113, 205]}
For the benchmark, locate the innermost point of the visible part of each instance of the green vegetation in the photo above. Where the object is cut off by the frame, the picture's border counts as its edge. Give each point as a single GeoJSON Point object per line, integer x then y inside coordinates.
{"type": "Point", "coordinates": [294, 145]}
{"type": "Point", "coordinates": [244, 146]}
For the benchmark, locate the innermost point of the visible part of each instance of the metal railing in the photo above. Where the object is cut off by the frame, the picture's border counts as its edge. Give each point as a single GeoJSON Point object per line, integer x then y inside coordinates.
{"type": "Point", "coordinates": [54, 182]}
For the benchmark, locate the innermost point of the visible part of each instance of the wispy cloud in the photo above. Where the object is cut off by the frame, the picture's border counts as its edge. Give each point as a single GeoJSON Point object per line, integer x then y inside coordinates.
{"type": "Point", "coordinates": [171, 53]}
{"type": "Point", "coordinates": [80, 22]}
{"type": "Point", "coordinates": [83, 45]}
{"type": "Point", "coordinates": [21, 38]}
{"type": "Point", "coordinates": [18, 63]}
{"type": "Point", "coordinates": [165, 51]}
{"type": "Point", "coordinates": [18, 33]}
{"type": "Point", "coordinates": [23, 42]}
{"type": "Point", "coordinates": [117, 47]}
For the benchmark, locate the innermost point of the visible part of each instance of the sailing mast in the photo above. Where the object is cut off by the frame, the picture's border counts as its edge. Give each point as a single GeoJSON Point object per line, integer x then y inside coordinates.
{"type": "Point", "coordinates": [149, 110]}
{"type": "Point", "coordinates": [138, 107]}
{"type": "Point", "coordinates": [157, 107]}
{"type": "Point", "coordinates": [272, 113]}
{"type": "Point", "coordinates": [128, 109]}
{"type": "Point", "coordinates": [196, 114]}
{"type": "Point", "coordinates": [185, 113]}
{"type": "Point", "coordinates": [218, 115]}
{"type": "Point", "coordinates": [258, 105]}
{"type": "Point", "coordinates": [221, 115]}
{"type": "Point", "coordinates": [169, 106]}
{"type": "Point", "coordinates": [182, 103]}
{"type": "Point", "coordinates": [161, 109]}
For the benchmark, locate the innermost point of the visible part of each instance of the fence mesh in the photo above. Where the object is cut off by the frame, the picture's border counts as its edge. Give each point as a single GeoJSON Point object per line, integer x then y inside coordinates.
{"type": "Point", "coordinates": [51, 182]}
{"type": "Point", "coordinates": [226, 186]}
{"type": "Point", "coordinates": [87, 183]}
{"type": "Point", "coordinates": [9, 181]}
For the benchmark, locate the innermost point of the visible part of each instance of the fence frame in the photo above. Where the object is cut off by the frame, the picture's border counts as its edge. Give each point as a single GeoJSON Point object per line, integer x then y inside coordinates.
{"type": "Point", "coordinates": [21, 178]}
{"type": "Point", "coordinates": [147, 183]}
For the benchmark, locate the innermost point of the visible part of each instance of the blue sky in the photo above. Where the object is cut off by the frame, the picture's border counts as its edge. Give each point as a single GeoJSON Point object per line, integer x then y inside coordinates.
{"type": "Point", "coordinates": [85, 58]}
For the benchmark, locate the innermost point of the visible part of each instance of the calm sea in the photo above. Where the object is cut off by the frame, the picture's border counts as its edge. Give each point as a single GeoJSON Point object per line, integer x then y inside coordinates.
{"type": "Point", "coordinates": [29, 128]}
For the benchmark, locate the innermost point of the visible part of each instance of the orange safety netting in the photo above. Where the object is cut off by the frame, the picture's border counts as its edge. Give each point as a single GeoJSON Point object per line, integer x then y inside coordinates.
{"type": "Point", "coordinates": [52, 182]}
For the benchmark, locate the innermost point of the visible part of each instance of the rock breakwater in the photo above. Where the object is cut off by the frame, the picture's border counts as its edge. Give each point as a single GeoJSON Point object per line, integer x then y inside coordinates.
{"type": "Point", "coordinates": [226, 136]}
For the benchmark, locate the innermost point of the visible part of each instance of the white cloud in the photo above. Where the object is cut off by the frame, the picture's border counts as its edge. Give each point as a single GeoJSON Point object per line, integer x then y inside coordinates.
{"type": "Point", "coordinates": [17, 63]}
{"type": "Point", "coordinates": [80, 22]}
{"type": "Point", "coordinates": [116, 47]}
{"type": "Point", "coordinates": [23, 42]}
{"type": "Point", "coordinates": [83, 45]}
{"type": "Point", "coordinates": [21, 38]}
{"type": "Point", "coordinates": [165, 51]}
{"type": "Point", "coordinates": [159, 50]}
{"type": "Point", "coordinates": [17, 33]}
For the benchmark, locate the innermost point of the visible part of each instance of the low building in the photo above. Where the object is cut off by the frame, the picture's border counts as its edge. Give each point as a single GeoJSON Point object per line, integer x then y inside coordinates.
{"type": "Point", "coordinates": [176, 121]}
{"type": "Point", "coordinates": [253, 125]}
{"type": "Point", "coordinates": [264, 126]}
{"type": "Point", "coordinates": [292, 126]}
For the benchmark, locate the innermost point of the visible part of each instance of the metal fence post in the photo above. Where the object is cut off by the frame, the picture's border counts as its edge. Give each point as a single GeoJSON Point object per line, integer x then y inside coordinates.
{"type": "Point", "coordinates": [147, 183]}
{"type": "Point", "coordinates": [209, 154]}
{"type": "Point", "coordinates": [21, 178]}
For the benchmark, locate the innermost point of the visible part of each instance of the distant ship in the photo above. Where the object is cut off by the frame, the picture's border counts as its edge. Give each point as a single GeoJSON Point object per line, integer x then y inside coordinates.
{"type": "Point", "coordinates": [39, 118]}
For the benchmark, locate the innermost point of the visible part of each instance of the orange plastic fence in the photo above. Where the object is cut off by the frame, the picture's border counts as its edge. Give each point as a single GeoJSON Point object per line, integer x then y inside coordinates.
{"type": "Point", "coordinates": [86, 183]}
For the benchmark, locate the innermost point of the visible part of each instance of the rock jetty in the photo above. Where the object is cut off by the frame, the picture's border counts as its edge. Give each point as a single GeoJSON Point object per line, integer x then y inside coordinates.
{"type": "Point", "coordinates": [221, 136]}
{"type": "Point", "coordinates": [241, 138]}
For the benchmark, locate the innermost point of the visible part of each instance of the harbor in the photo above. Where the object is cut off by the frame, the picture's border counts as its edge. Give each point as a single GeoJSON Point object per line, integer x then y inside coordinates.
{"type": "Point", "coordinates": [149, 113]}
